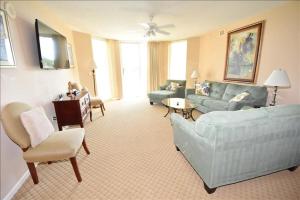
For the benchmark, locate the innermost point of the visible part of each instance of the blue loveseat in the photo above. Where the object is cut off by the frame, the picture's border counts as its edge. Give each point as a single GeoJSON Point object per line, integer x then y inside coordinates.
{"type": "Point", "coordinates": [221, 93]}
{"type": "Point", "coordinates": [226, 147]}
{"type": "Point", "coordinates": [158, 95]}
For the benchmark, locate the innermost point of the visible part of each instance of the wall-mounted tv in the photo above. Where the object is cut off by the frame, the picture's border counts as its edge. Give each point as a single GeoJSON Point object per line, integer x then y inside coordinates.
{"type": "Point", "coordinates": [52, 47]}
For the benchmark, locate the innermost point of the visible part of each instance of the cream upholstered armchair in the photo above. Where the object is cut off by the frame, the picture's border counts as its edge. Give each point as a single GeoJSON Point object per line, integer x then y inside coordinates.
{"type": "Point", "coordinates": [60, 145]}
{"type": "Point", "coordinates": [96, 102]}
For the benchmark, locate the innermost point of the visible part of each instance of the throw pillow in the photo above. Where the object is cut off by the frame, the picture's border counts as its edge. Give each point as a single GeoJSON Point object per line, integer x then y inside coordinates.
{"type": "Point", "coordinates": [202, 89]}
{"type": "Point", "coordinates": [173, 86]}
{"type": "Point", "coordinates": [37, 125]}
{"type": "Point", "coordinates": [239, 97]}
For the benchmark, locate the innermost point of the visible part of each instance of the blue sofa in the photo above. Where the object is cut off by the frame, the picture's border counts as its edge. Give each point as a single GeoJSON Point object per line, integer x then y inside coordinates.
{"type": "Point", "coordinates": [158, 95]}
{"type": "Point", "coordinates": [226, 147]}
{"type": "Point", "coordinates": [221, 93]}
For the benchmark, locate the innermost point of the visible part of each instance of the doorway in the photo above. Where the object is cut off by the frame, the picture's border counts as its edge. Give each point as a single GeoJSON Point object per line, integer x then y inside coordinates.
{"type": "Point", "coordinates": [134, 69]}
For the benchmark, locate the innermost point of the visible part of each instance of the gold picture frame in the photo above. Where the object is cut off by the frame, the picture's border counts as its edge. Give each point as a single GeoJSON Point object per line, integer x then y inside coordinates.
{"type": "Point", "coordinates": [243, 47]}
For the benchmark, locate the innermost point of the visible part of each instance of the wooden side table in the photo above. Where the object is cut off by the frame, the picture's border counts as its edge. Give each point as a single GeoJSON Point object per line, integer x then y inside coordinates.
{"type": "Point", "coordinates": [73, 110]}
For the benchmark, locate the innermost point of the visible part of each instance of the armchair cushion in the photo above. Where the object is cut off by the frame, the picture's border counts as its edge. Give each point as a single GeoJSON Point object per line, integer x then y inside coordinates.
{"type": "Point", "coordinates": [96, 102]}
{"type": "Point", "coordinates": [37, 125]}
{"type": "Point", "coordinates": [58, 146]}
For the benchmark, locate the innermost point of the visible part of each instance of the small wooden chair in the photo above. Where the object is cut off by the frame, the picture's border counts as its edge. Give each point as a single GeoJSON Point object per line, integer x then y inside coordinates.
{"type": "Point", "coordinates": [59, 145]}
{"type": "Point", "coordinates": [96, 102]}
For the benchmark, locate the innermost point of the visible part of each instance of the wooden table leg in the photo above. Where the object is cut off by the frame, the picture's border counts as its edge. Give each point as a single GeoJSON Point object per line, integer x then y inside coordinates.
{"type": "Point", "coordinates": [168, 111]}
{"type": "Point", "coordinates": [191, 114]}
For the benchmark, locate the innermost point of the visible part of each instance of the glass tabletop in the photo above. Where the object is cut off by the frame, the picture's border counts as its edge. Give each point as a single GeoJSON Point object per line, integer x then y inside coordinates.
{"type": "Point", "coordinates": [178, 103]}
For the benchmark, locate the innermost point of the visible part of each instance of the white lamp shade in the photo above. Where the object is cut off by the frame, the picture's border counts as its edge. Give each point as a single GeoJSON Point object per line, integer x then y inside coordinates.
{"type": "Point", "coordinates": [194, 74]}
{"type": "Point", "coordinates": [278, 78]}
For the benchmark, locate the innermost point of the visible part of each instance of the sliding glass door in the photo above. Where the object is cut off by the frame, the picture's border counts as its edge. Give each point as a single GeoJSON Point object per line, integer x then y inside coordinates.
{"type": "Point", "coordinates": [102, 72]}
{"type": "Point", "coordinates": [134, 69]}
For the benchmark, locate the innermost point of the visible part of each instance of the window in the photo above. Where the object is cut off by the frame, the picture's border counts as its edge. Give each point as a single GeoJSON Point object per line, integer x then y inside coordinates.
{"type": "Point", "coordinates": [102, 72]}
{"type": "Point", "coordinates": [177, 64]}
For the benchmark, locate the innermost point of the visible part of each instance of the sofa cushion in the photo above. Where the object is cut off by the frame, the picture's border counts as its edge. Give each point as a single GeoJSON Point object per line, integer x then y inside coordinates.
{"type": "Point", "coordinates": [217, 89]}
{"type": "Point", "coordinates": [173, 86]}
{"type": "Point", "coordinates": [258, 94]}
{"type": "Point", "coordinates": [198, 99]}
{"type": "Point", "coordinates": [215, 104]}
{"type": "Point", "coordinates": [229, 119]}
{"type": "Point", "coordinates": [161, 94]}
{"type": "Point", "coordinates": [240, 97]}
{"type": "Point", "coordinates": [232, 90]}
{"type": "Point", "coordinates": [202, 89]}
{"type": "Point", "coordinates": [283, 110]}
{"type": "Point", "coordinates": [181, 82]}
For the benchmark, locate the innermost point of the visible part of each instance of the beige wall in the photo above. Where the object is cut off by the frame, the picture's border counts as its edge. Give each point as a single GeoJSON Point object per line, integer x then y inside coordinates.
{"type": "Point", "coordinates": [192, 59]}
{"type": "Point", "coordinates": [84, 54]}
{"type": "Point", "coordinates": [27, 82]}
{"type": "Point", "coordinates": [280, 49]}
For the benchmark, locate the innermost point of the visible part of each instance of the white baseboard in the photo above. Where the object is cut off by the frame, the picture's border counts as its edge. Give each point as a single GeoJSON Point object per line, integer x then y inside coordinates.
{"type": "Point", "coordinates": [17, 186]}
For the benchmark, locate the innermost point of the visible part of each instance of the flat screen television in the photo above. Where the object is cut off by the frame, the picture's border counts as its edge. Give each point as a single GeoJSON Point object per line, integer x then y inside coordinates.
{"type": "Point", "coordinates": [52, 47]}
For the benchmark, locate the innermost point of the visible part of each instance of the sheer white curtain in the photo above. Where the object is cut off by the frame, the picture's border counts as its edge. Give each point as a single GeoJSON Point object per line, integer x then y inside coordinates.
{"type": "Point", "coordinates": [177, 66]}
{"type": "Point", "coordinates": [102, 71]}
{"type": "Point", "coordinates": [115, 68]}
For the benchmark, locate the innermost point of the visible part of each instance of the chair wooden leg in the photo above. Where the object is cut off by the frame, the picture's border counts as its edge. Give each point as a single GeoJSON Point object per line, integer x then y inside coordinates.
{"type": "Point", "coordinates": [103, 106]}
{"type": "Point", "coordinates": [85, 146]}
{"type": "Point", "coordinates": [33, 173]}
{"type": "Point", "coordinates": [75, 168]}
{"type": "Point", "coordinates": [102, 110]}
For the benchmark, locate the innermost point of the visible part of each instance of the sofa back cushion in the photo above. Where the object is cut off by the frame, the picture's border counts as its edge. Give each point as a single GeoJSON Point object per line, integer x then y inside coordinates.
{"type": "Point", "coordinates": [217, 89]}
{"type": "Point", "coordinates": [258, 94]}
{"type": "Point", "coordinates": [181, 82]}
{"type": "Point", "coordinates": [222, 126]}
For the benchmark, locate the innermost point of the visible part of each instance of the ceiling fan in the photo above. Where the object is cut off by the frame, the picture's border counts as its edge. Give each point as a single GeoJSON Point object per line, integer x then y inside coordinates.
{"type": "Point", "coordinates": [152, 28]}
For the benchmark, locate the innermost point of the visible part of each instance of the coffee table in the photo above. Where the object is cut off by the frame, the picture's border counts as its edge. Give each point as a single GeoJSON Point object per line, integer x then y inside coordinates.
{"type": "Point", "coordinates": [184, 105]}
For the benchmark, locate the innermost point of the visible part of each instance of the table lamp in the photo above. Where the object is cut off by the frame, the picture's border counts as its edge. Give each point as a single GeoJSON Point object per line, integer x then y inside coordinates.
{"type": "Point", "coordinates": [194, 76]}
{"type": "Point", "coordinates": [278, 78]}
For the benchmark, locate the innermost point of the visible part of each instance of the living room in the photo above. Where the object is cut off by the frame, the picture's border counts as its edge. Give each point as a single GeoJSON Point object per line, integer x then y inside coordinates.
{"type": "Point", "coordinates": [124, 61]}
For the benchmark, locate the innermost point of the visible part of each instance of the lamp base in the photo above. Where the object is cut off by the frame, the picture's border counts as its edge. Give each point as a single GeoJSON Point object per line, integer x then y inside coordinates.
{"type": "Point", "coordinates": [273, 103]}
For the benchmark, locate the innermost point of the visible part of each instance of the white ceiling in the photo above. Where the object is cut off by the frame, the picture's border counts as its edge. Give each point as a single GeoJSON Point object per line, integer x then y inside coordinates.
{"type": "Point", "coordinates": [119, 19]}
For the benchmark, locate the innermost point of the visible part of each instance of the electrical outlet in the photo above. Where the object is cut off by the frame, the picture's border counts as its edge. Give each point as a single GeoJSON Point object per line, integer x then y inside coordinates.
{"type": "Point", "coordinates": [54, 118]}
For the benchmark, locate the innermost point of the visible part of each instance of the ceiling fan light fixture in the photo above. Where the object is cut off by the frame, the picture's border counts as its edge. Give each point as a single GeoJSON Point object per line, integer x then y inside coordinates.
{"type": "Point", "coordinates": [152, 29]}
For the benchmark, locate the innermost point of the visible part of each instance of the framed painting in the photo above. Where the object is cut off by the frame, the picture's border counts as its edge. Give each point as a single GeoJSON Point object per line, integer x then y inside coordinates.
{"type": "Point", "coordinates": [242, 53]}
{"type": "Point", "coordinates": [7, 58]}
{"type": "Point", "coordinates": [70, 55]}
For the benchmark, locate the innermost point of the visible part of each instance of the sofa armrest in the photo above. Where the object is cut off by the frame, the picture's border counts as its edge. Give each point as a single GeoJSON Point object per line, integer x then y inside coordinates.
{"type": "Point", "coordinates": [236, 105]}
{"type": "Point", "coordinates": [183, 124]}
{"type": "Point", "coordinates": [189, 91]}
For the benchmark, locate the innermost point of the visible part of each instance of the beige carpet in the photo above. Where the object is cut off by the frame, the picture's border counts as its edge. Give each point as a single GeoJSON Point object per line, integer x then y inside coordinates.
{"type": "Point", "coordinates": [133, 157]}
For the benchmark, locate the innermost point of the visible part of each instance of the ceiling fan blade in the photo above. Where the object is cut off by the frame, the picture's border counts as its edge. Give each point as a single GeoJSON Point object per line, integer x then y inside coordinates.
{"type": "Point", "coordinates": [162, 32]}
{"type": "Point", "coordinates": [167, 26]}
{"type": "Point", "coordinates": [145, 25]}
{"type": "Point", "coordinates": [135, 31]}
